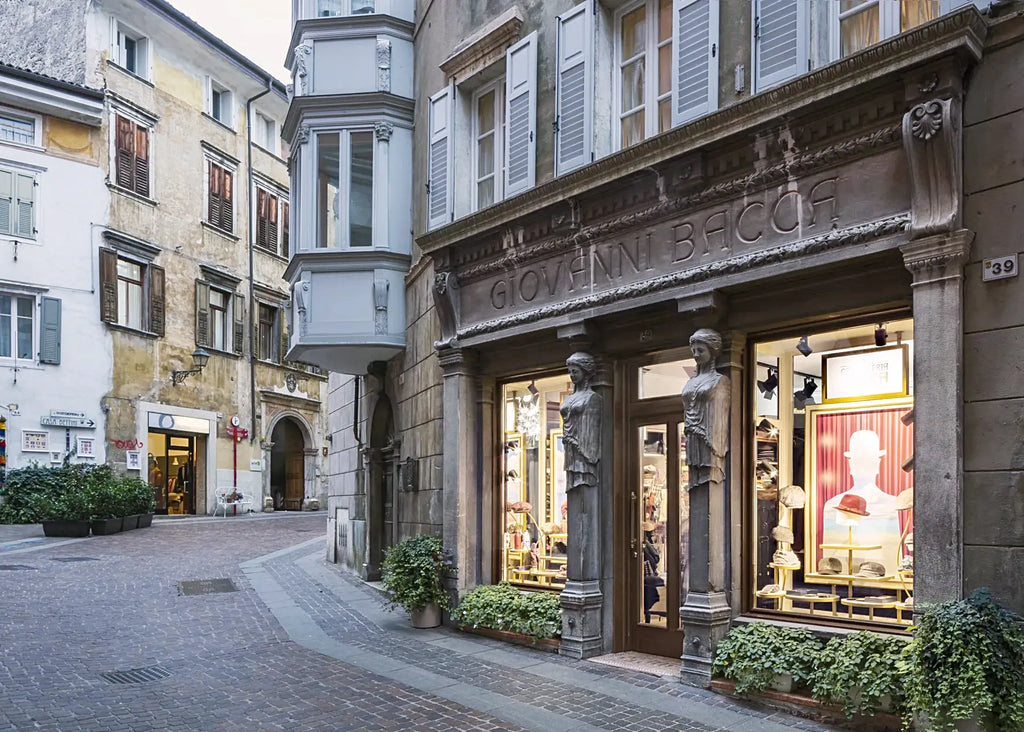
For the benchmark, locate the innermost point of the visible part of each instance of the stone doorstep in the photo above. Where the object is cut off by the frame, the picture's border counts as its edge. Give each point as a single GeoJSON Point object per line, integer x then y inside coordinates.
{"type": "Point", "coordinates": [809, 708]}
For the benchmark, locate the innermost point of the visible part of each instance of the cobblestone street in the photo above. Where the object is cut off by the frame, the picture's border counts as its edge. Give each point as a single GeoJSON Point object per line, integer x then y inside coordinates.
{"type": "Point", "coordinates": [300, 645]}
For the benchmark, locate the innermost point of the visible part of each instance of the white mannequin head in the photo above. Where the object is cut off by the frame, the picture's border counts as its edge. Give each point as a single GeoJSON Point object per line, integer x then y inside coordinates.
{"type": "Point", "coordinates": [864, 456]}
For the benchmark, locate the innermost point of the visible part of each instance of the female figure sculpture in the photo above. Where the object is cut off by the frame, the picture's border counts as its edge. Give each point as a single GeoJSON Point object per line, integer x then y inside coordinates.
{"type": "Point", "coordinates": [581, 423]}
{"type": "Point", "coordinates": [706, 412]}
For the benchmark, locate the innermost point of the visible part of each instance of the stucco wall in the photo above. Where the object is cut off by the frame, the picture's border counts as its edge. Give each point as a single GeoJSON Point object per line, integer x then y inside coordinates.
{"type": "Point", "coordinates": [45, 36]}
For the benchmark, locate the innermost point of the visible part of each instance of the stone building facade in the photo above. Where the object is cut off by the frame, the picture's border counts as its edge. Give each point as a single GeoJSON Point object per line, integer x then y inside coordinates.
{"type": "Point", "coordinates": [829, 192]}
{"type": "Point", "coordinates": [188, 259]}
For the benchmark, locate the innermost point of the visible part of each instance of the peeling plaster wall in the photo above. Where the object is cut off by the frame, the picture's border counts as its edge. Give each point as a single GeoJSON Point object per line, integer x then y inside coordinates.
{"type": "Point", "coordinates": [45, 36]}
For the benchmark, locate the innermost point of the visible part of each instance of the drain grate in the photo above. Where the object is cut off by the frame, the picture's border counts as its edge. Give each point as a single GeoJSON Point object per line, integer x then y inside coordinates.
{"type": "Point", "coordinates": [14, 567]}
{"type": "Point", "coordinates": [137, 675]}
{"type": "Point", "coordinates": [74, 559]}
{"type": "Point", "coordinates": [206, 586]}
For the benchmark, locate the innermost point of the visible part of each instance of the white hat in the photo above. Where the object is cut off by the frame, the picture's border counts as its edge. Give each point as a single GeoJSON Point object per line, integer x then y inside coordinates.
{"type": "Point", "coordinates": [864, 443]}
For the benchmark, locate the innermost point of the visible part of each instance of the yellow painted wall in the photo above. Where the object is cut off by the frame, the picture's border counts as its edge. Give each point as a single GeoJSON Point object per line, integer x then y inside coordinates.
{"type": "Point", "coordinates": [176, 83]}
{"type": "Point", "coordinates": [70, 138]}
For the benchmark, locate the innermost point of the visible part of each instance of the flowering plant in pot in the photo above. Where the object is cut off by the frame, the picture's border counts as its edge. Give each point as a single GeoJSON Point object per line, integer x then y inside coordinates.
{"type": "Point", "coordinates": [413, 574]}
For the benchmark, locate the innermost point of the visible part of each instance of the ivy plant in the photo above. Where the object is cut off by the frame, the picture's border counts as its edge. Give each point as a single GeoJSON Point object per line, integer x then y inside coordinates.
{"type": "Point", "coordinates": [753, 654]}
{"type": "Point", "coordinates": [859, 671]}
{"type": "Point", "coordinates": [413, 573]}
{"type": "Point", "coordinates": [503, 607]}
{"type": "Point", "coordinates": [966, 661]}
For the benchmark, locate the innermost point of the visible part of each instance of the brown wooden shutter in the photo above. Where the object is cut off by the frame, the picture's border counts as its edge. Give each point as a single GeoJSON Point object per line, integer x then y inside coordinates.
{"type": "Point", "coordinates": [157, 300]}
{"type": "Point", "coordinates": [282, 332]}
{"type": "Point", "coordinates": [284, 230]}
{"type": "Point", "coordinates": [261, 217]}
{"type": "Point", "coordinates": [213, 194]}
{"type": "Point", "coordinates": [142, 161]}
{"type": "Point", "coordinates": [238, 313]}
{"type": "Point", "coordinates": [272, 223]}
{"type": "Point", "coordinates": [108, 285]}
{"type": "Point", "coordinates": [227, 207]}
{"type": "Point", "coordinates": [202, 314]}
{"type": "Point", "coordinates": [124, 161]}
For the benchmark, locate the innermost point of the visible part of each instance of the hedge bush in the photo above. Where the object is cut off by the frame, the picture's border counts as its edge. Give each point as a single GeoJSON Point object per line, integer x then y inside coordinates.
{"type": "Point", "coordinates": [503, 607]}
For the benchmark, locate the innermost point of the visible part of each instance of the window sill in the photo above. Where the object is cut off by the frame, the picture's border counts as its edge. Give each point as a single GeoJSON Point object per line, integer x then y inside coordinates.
{"type": "Point", "coordinates": [132, 331]}
{"type": "Point", "coordinates": [227, 354]}
{"type": "Point", "coordinates": [129, 193]}
{"type": "Point", "coordinates": [219, 231]}
{"type": "Point", "coordinates": [22, 363]}
{"type": "Point", "coordinates": [269, 253]}
{"type": "Point", "coordinates": [23, 145]}
{"type": "Point", "coordinates": [131, 74]}
{"type": "Point", "coordinates": [268, 363]}
{"type": "Point", "coordinates": [271, 153]}
{"type": "Point", "coordinates": [216, 121]}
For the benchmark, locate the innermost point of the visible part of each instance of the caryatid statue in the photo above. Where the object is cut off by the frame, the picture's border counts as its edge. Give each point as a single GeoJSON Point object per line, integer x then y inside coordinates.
{"type": "Point", "coordinates": [706, 412]}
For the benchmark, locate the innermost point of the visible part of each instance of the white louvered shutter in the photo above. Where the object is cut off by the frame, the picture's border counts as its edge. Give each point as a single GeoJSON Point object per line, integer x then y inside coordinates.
{"type": "Point", "coordinates": [439, 189]}
{"type": "Point", "coordinates": [6, 202]}
{"type": "Point", "coordinates": [26, 192]}
{"type": "Point", "coordinates": [695, 50]}
{"type": "Point", "coordinates": [574, 89]}
{"type": "Point", "coordinates": [521, 115]}
{"type": "Point", "coordinates": [781, 39]}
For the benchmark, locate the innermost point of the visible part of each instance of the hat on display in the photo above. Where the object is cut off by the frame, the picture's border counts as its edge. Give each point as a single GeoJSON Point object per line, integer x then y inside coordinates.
{"type": "Point", "coordinates": [770, 590]}
{"type": "Point", "coordinates": [792, 496]}
{"type": "Point", "coordinates": [552, 528]}
{"type": "Point", "coordinates": [864, 443]}
{"type": "Point", "coordinates": [872, 570]}
{"type": "Point", "coordinates": [783, 533]}
{"type": "Point", "coordinates": [785, 558]}
{"type": "Point", "coordinates": [650, 470]}
{"type": "Point", "coordinates": [906, 564]}
{"type": "Point", "coordinates": [904, 500]}
{"type": "Point", "coordinates": [908, 417]}
{"type": "Point", "coordinates": [852, 503]}
{"type": "Point", "coordinates": [830, 565]}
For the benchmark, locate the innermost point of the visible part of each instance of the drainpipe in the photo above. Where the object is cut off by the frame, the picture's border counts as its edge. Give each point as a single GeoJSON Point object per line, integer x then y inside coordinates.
{"type": "Point", "coordinates": [252, 292]}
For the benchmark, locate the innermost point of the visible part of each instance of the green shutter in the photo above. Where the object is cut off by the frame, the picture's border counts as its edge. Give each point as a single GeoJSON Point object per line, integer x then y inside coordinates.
{"type": "Point", "coordinates": [6, 201]}
{"type": "Point", "coordinates": [26, 205]}
{"type": "Point", "coordinates": [49, 340]}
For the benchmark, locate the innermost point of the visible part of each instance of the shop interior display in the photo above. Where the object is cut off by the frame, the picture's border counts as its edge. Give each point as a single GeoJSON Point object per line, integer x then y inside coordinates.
{"type": "Point", "coordinates": [833, 480]}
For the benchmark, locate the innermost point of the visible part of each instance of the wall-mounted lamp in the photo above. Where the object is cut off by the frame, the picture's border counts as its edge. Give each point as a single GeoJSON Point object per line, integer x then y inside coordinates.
{"type": "Point", "coordinates": [199, 358]}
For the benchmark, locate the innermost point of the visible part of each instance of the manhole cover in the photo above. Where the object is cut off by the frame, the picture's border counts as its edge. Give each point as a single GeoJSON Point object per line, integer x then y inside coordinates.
{"type": "Point", "coordinates": [14, 567]}
{"type": "Point", "coordinates": [74, 559]}
{"type": "Point", "coordinates": [137, 675]}
{"type": "Point", "coordinates": [206, 587]}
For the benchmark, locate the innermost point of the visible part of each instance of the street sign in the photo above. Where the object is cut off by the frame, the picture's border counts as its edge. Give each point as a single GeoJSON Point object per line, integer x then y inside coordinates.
{"type": "Point", "coordinates": [68, 415]}
{"type": "Point", "coordinates": [67, 422]}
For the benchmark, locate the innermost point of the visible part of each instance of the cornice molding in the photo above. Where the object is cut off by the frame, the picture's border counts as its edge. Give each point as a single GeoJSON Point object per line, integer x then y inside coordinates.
{"type": "Point", "coordinates": [960, 33]}
{"type": "Point", "coordinates": [939, 257]}
{"type": "Point", "coordinates": [54, 99]}
{"type": "Point", "coordinates": [744, 263]}
{"type": "Point", "coordinates": [373, 106]}
{"type": "Point", "coordinates": [484, 45]}
{"type": "Point", "coordinates": [346, 26]}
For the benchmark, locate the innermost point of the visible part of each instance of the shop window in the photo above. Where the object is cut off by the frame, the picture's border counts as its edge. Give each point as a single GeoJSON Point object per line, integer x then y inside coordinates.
{"type": "Point", "coordinates": [345, 189]}
{"type": "Point", "coordinates": [533, 506]}
{"type": "Point", "coordinates": [833, 473]}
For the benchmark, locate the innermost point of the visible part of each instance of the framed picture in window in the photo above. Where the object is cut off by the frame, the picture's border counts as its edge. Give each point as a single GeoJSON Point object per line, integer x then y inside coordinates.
{"type": "Point", "coordinates": [867, 373]}
{"type": "Point", "coordinates": [35, 441]}
{"type": "Point", "coordinates": [86, 447]}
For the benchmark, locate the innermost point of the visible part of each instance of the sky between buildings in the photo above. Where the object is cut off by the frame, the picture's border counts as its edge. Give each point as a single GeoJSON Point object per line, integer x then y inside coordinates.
{"type": "Point", "coordinates": [259, 29]}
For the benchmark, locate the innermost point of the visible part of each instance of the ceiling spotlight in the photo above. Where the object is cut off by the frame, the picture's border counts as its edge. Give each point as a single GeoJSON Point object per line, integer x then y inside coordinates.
{"type": "Point", "coordinates": [881, 336]}
{"type": "Point", "coordinates": [804, 347]}
{"type": "Point", "coordinates": [810, 386]}
{"type": "Point", "coordinates": [532, 388]}
{"type": "Point", "coordinates": [767, 387]}
{"type": "Point", "coordinates": [805, 396]}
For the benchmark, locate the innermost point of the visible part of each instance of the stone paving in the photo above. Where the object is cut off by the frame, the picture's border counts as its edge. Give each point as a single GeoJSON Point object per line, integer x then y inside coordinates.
{"type": "Point", "coordinates": [300, 645]}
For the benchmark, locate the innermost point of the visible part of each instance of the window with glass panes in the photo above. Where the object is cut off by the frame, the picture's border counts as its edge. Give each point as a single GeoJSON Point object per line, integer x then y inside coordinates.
{"type": "Point", "coordinates": [345, 185]}
{"type": "Point", "coordinates": [16, 316]}
{"type": "Point", "coordinates": [489, 132]}
{"type": "Point", "coordinates": [219, 320]}
{"type": "Point", "coordinates": [129, 294]}
{"type": "Point", "coordinates": [268, 341]}
{"type": "Point", "coordinates": [863, 23]}
{"type": "Point", "coordinates": [643, 45]}
{"type": "Point", "coordinates": [16, 129]}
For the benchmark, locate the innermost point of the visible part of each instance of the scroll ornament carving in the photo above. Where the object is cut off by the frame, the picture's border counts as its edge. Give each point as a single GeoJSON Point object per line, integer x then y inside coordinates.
{"type": "Point", "coordinates": [706, 398]}
{"type": "Point", "coordinates": [300, 72]}
{"type": "Point", "coordinates": [383, 65]}
{"type": "Point", "coordinates": [302, 135]}
{"type": "Point", "coordinates": [931, 140]}
{"type": "Point", "coordinates": [446, 302]}
{"type": "Point", "coordinates": [926, 120]}
{"type": "Point", "coordinates": [383, 131]}
{"type": "Point", "coordinates": [300, 298]}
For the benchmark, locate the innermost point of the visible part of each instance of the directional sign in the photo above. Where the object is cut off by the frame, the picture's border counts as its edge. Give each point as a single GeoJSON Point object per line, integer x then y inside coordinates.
{"type": "Point", "coordinates": [67, 422]}
{"type": "Point", "coordinates": [68, 415]}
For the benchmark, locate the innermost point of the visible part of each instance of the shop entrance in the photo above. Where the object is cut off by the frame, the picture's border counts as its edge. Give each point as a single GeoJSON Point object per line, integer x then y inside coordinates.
{"type": "Point", "coordinates": [174, 472]}
{"type": "Point", "coordinates": [657, 507]}
{"type": "Point", "coordinates": [287, 466]}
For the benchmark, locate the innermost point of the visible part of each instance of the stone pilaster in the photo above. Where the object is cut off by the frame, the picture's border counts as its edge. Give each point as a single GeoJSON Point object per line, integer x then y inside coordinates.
{"type": "Point", "coordinates": [937, 263]}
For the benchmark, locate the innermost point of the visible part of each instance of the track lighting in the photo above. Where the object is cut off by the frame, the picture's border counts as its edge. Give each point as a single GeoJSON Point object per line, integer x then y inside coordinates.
{"type": "Point", "coordinates": [767, 387]}
{"type": "Point", "coordinates": [881, 336]}
{"type": "Point", "coordinates": [532, 388]}
{"type": "Point", "coordinates": [804, 347]}
{"type": "Point", "coordinates": [805, 396]}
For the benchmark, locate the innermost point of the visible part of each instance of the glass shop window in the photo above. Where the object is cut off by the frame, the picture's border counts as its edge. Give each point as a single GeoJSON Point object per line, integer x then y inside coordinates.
{"type": "Point", "coordinates": [833, 442]}
{"type": "Point", "coordinates": [534, 507]}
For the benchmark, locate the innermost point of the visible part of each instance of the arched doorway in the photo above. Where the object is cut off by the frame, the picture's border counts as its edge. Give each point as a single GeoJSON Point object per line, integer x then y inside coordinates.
{"type": "Point", "coordinates": [287, 466]}
{"type": "Point", "coordinates": [381, 496]}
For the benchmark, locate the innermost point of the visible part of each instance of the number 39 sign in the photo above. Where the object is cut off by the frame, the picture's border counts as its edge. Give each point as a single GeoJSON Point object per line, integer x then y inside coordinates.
{"type": "Point", "coordinates": [999, 268]}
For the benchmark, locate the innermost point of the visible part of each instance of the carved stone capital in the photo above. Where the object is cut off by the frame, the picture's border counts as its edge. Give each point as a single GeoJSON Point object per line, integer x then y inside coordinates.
{"type": "Point", "coordinates": [458, 361]}
{"type": "Point", "coordinates": [301, 135]}
{"type": "Point", "coordinates": [940, 257]}
{"type": "Point", "coordinates": [931, 140]}
{"type": "Point", "coordinates": [382, 131]}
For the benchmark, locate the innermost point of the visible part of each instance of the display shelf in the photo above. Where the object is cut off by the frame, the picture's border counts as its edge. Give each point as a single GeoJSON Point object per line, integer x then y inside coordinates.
{"type": "Point", "coordinates": [851, 547]}
{"type": "Point", "coordinates": [813, 600]}
{"type": "Point", "coordinates": [872, 605]}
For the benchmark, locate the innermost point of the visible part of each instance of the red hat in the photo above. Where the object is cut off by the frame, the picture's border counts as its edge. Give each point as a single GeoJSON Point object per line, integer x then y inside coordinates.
{"type": "Point", "coordinates": [853, 504]}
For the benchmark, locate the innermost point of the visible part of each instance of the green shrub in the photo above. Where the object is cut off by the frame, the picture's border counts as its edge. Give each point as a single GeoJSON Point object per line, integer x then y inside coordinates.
{"type": "Point", "coordinates": [503, 607]}
{"type": "Point", "coordinates": [105, 499]}
{"type": "Point", "coordinates": [138, 495]}
{"type": "Point", "coordinates": [753, 654]}
{"type": "Point", "coordinates": [413, 571]}
{"type": "Point", "coordinates": [858, 671]}
{"type": "Point", "coordinates": [966, 661]}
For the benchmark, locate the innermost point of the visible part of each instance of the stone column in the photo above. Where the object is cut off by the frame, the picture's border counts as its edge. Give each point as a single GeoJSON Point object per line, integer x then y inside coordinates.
{"type": "Point", "coordinates": [459, 471]}
{"type": "Point", "coordinates": [937, 264]}
{"type": "Point", "coordinates": [381, 167]}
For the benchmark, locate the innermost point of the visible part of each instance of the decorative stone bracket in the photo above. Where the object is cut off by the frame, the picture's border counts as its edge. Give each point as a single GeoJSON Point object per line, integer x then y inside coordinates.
{"type": "Point", "coordinates": [932, 141]}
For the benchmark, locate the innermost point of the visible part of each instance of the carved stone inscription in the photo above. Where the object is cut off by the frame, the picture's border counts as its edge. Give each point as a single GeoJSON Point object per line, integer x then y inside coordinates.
{"type": "Point", "coordinates": [845, 196]}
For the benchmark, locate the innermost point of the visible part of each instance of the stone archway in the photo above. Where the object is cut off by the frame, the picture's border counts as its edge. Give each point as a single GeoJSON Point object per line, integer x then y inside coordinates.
{"type": "Point", "coordinates": [381, 455]}
{"type": "Point", "coordinates": [288, 465]}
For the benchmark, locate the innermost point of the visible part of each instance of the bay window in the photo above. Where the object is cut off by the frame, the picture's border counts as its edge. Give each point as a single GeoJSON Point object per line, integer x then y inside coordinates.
{"type": "Point", "coordinates": [345, 189]}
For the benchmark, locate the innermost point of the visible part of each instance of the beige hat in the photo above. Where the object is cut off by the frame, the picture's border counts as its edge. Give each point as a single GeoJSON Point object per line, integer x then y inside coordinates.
{"type": "Point", "coordinates": [871, 570]}
{"type": "Point", "coordinates": [830, 565]}
{"type": "Point", "coordinates": [783, 533]}
{"type": "Point", "coordinates": [792, 496]}
{"type": "Point", "coordinates": [770, 590]}
{"type": "Point", "coordinates": [785, 558]}
{"type": "Point", "coordinates": [905, 500]}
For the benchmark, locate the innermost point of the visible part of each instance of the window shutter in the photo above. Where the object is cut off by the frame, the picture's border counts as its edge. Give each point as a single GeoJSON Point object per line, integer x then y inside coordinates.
{"type": "Point", "coordinates": [282, 333]}
{"type": "Point", "coordinates": [781, 41]}
{"type": "Point", "coordinates": [49, 331]}
{"type": "Point", "coordinates": [125, 153]}
{"type": "Point", "coordinates": [142, 161]}
{"type": "Point", "coordinates": [157, 301]}
{"type": "Point", "coordinates": [227, 210]}
{"type": "Point", "coordinates": [202, 314]}
{"type": "Point", "coordinates": [213, 186]}
{"type": "Point", "coordinates": [238, 316]}
{"type": "Point", "coordinates": [261, 217]}
{"type": "Point", "coordinates": [695, 49]}
{"type": "Point", "coordinates": [521, 115]}
{"type": "Point", "coordinates": [272, 223]}
{"type": "Point", "coordinates": [439, 192]}
{"type": "Point", "coordinates": [574, 92]}
{"type": "Point", "coordinates": [108, 285]}
{"type": "Point", "coordinates": [26, 204]}
{"type": "Point", "coordinates": [6, 201]}
{"type": "Point", "coordinates": [284, 230]}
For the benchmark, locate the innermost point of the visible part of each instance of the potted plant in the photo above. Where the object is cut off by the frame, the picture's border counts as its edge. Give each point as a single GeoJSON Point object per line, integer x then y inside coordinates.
{"type": "Point", "coordinates": [861, 671]}
{"type": "Point", "coordinates": [138, 500]}
{"type": "Point", "coordinates": [412, 575]}
{"type": "Point", "coordinates": [515, 615]}
{"type": "Point", "coordinates": [964, 667]}
{"type": "Point", "coordinates": [104, 508]}
{"type": "Point", "coordinates": [758, 656]}
{"type": "Point", "coordinates": [66, 514]}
